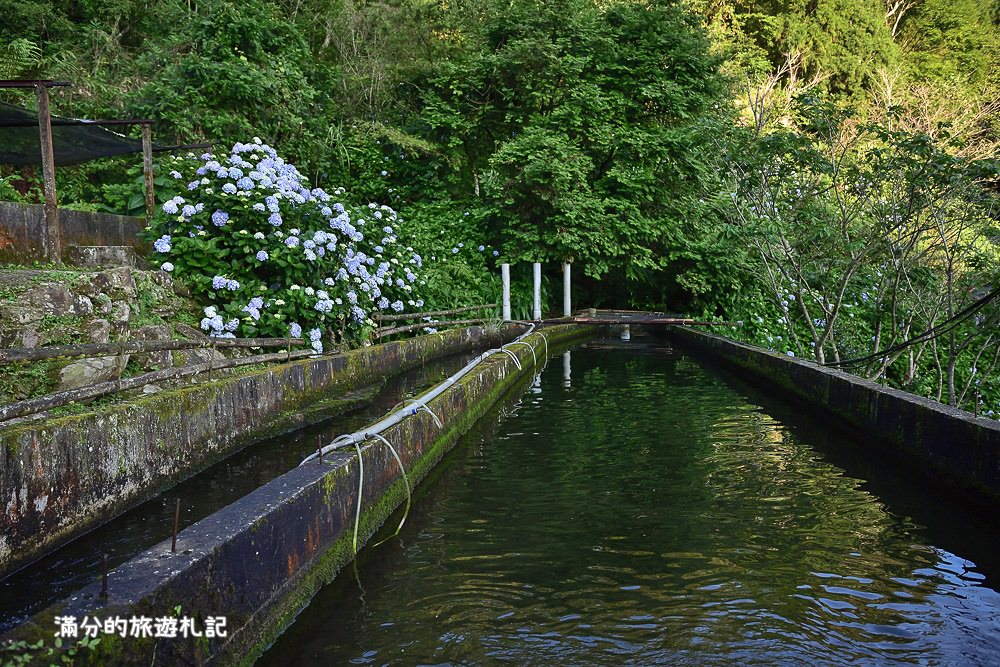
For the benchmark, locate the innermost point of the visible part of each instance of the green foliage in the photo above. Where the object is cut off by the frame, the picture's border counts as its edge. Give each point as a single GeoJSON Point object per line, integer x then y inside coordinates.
{"type": "Point", "coordinates": [276, 257]}
{"type": "Point", "coordinates": [579, 128]}
{"type": "Point", "coordinates": [865, 237]}
{"type": "Point", "coordinates": [20, 652]}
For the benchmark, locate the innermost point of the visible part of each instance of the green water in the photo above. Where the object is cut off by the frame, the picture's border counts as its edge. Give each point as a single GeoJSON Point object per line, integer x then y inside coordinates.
{"type": "Point", "coordinates": [640, 510]}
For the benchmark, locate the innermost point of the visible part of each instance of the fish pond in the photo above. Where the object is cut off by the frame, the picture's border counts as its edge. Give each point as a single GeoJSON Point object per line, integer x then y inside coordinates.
{"type": "Point", "coordinates": [634, 507]}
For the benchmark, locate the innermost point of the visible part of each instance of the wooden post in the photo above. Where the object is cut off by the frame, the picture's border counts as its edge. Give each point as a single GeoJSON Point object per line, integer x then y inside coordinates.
{"type": "Point", "coordinates": [147, 169]}
{"type": "Point", "coordinates": [505, 277]}
{"type": "Point", "coordinates": [536, 312]}
{"type": "Point", "coordinates": [52, 242]}
{"type": "Point", "coordinates": [567, 302]}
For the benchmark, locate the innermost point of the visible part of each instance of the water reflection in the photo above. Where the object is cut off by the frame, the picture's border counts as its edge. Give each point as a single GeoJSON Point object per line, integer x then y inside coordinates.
{"type": "Point", "coordinates": [651, 515]}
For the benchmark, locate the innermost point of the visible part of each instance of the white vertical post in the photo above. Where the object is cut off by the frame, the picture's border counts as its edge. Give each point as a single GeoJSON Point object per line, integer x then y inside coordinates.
{"type": "Point", "coordinates": [567, 369]}
{"type": "Point", "coordinates": [567, 305]}
{"type": "Point", "coordinates": [505, 276]}
{"type": "Point", "coordinates": [536, 312]}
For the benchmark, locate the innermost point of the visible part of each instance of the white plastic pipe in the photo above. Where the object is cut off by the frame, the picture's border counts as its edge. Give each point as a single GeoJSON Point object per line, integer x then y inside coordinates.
{"type": "Point", "coordinates": [536, 312]}
{"type": "Point", "coordinates": [505, 277]}
{"type": "Point", "coordinates": [416, 405]}
{"type": "Point", "coordinates": [567, 304]}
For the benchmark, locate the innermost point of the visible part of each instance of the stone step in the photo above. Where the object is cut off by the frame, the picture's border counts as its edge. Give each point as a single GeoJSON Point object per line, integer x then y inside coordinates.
{"type": "Point", "coordinates": [105, 256]}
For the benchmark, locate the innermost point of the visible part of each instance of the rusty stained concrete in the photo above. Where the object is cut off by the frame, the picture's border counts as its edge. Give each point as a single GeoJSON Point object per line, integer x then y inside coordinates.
{"type": "Point", "coordinates": [260, 560]}
{"type": "Point", "coordinates": [64, 476]}
{"type": "Point", "coordinates": [22, 229]}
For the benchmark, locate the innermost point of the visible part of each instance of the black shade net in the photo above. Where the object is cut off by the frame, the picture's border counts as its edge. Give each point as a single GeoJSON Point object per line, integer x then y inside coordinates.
{"type": "Point", "coordinates": [73, 140]}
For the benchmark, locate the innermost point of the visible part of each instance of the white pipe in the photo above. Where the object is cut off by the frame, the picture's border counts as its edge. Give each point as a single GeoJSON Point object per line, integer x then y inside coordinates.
{"type": "Point", "coordinates": [505, 276]}
{"type": "Point", "coordinates": [536, 312]}
{"type": "Point", "coordinates": [567, 369]}
{"type": "Point", "coordinates": [421, 401]}
{"type": "Point", "coordinates": [567, 305]}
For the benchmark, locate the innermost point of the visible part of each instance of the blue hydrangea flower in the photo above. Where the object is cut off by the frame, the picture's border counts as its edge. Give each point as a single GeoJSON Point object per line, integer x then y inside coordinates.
{"type": "Point", "coordinates": [315, 334]}
{"type": "Point", "coordinates": [292, 241]}
{"type": "Point", "coordinates": [219, 218]}
{"type": "Point", "coordinates": [166, 266]}
{"type": "Point", "coordinates": [295, 331]}
{"type": "Point", "coordinates": [232, 285]}
{"type": "Point", "coordinates": [275, 219]}
{"type": "Point", "coordinates": [262, 256]}
{"type": "Point", "coordinates": [496, 253]}
{"type": "Point", "coordinates": [219, 282]}
{"type": "Point", "coordinates": [188, 210]}
{"type": "Point", "coordinates": [162, 244]}
{"type": "Point", "coordinates": [245, 183]}
{"type": "Point", "coordinates": [260, 208]}
{"type": "Point", "coordinates": [397, 306]}
{"type": "Point", "coordinates": [229, 188]}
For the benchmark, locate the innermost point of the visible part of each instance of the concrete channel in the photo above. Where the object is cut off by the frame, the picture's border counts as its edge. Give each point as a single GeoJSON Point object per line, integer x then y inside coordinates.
{"type": "Point", "coordinates": [259, 561]}
{"type": "Point", "coordinates": [61, 477]}
{"type": "Point", "coordinates": [944, 448]}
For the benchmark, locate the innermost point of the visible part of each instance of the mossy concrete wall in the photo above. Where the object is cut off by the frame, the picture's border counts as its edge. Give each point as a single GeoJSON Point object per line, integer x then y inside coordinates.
{"type": "Point", "coordinates": [63, 476]}
{"type": "Point", "coordinates": [22, 228]}
{"type": "Point", "coordinates": [948, 448]}
{"type": "Point", "coordinates": [260, 560]}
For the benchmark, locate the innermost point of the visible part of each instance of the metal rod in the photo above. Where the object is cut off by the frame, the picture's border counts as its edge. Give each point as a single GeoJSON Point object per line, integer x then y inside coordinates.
{"type": "Point", "coordinates": [20, 354]}
{"type": "Point", "coordinates": [567, 302]}
{"type": "Point", "coordinates": [505, 277]}
{"type": "Point", "coordinates": [52, 243]}
{"type": "Point", "coordinates": [536, 311]}
{"type": "Point", "coordinates": [386, 331]}
{"type": "Point", "coordinates": [104, 577]}
{"type": "Point", "coordinates": [177, 521]}
{"type": "Point", "coordinates": [319, 447]}
{"type": "Point", "coordinates": [147, 169]}
{"type": "Point", "coordinates": [431, 313]}
{"type": "Point", "coordinates": [32, 83]}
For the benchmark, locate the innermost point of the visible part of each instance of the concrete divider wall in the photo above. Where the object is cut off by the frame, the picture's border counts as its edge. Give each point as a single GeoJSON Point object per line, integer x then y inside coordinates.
{"type": "Point", "coordinates": [22, 228]}
{"type": "Point", "coordinates": [958, 452]}
{"type": "Point", "coordinates": [63, 476]}
{"type": "Point", "coordinates": [260, 560]}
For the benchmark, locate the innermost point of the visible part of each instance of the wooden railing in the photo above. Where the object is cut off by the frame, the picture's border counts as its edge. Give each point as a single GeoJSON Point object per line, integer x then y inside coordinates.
{"type": "Point", "coordinates": [382, 332]}
{"type": "Point", "coordinates": [61, 398]}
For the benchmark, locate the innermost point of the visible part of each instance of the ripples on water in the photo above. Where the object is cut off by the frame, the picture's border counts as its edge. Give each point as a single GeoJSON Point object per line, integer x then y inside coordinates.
{"type": "Point", "coordinates": [644, 512]}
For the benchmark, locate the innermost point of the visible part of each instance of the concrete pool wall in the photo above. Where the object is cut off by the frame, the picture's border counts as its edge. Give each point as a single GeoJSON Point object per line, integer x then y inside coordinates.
{"type": "Point", "coordinates": [259, 561]}
{"type": "Point", "coordinates": [950, 449]}
{"type": "Point", "coordinates": [66, 475]}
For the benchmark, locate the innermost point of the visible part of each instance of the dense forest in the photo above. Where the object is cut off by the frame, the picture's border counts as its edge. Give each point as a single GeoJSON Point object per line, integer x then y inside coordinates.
{"type": "Point", "coordinates": [824, 171]}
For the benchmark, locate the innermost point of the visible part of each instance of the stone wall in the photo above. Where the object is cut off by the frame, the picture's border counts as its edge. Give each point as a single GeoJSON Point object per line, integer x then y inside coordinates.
{"type": "Point", "coordinates": [944, 447]}
{"type": "Point", "coordinates": [22, 227]}
{"type": "Point", "coordinates": [63, 476]}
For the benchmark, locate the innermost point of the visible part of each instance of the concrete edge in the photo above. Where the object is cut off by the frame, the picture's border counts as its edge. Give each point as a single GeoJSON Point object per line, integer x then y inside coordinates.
{"type": "Point", "coordinates": [260, 560]}
{"type": "Point", "coordinates": [953, 451]}
{"type": "Point", "coordinates": [63, 477]}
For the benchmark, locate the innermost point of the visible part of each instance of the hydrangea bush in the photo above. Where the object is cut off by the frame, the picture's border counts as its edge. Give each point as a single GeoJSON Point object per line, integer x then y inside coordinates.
{"type": "Point", "coordinates": [278, 258]}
